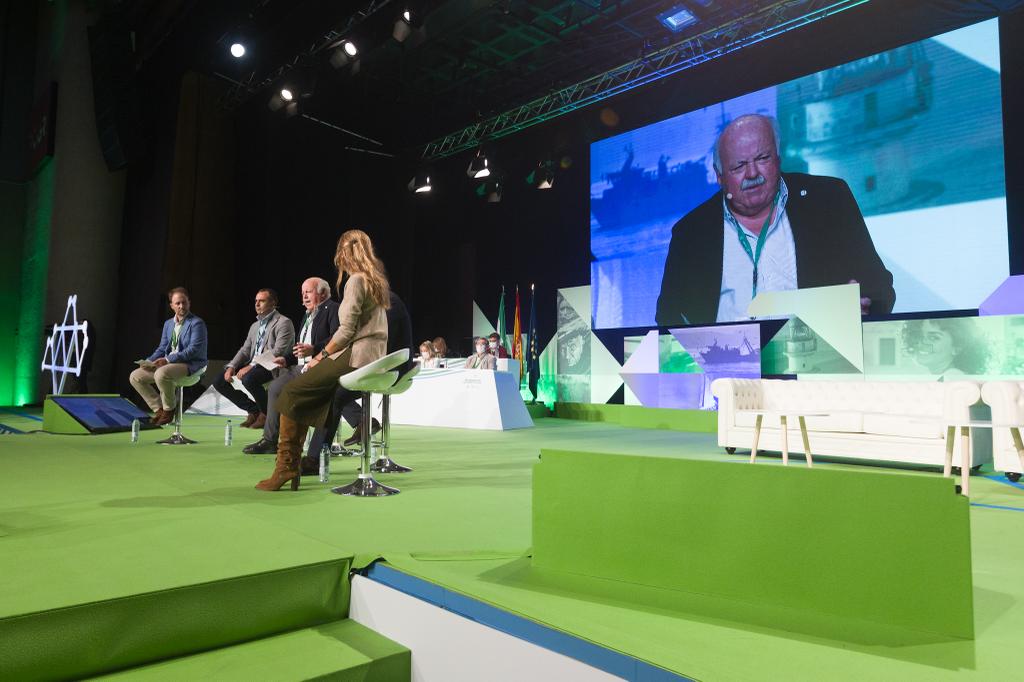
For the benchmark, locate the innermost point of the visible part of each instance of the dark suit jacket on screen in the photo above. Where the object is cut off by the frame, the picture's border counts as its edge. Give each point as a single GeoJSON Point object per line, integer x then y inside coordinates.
{"type": "Point", "coordinates": [831, 240]}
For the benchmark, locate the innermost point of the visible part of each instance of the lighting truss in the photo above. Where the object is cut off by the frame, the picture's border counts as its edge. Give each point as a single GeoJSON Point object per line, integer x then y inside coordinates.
{"type": "Point", "coordinates": [759, 25]}
{"type": "Point", "coordinates": [241, 90]}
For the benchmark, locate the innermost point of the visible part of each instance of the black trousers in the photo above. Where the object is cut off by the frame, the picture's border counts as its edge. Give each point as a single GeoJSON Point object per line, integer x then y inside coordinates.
{"type": "Point", "coordinates": [253, 382]}
{"type": "Point", "coordinates": [343, 405]}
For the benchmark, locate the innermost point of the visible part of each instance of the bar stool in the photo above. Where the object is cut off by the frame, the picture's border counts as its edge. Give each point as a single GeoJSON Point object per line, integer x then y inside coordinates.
{"type": "Point", "coordinates": [375, 377]}
{"type": "Point", "coordinates": [384, 464]}
{"type": "Point", "coordinates": [180, 384]}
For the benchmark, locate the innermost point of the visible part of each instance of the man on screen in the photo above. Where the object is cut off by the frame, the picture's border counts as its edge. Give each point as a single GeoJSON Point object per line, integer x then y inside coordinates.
{"type": "Point", "coordinates": [766, 231]}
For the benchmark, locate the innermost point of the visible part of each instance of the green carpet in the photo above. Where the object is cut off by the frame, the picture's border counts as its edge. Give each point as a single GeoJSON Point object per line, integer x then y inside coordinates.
{"type": "Point", "coordinates": [85, 518]}
{"type": "Point", "coordinates": [343, 651]}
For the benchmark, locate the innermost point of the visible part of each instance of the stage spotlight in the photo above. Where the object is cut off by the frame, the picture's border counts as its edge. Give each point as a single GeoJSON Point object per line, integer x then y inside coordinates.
{"type": "Point", "coordinates": [490, 190]}
{"type": "Point", "coordinates": [677, 18]}
{"type": "Point", "coordinates": [493, 191]}
{"type": "Point", "coordinates": [287, 95]}
{"type": "Point", "coordinates": [346, 52]}
{"type": "Point", "coordinates": [478, 167]}
{"type": "Point", "coordinates": [420, 183]}
{"type": "Point", "coordinates": [403, 27]}
{"type": "Point", "coordinates": [237, 50]}
{"type": "Point", "coordinates": [543, 176]}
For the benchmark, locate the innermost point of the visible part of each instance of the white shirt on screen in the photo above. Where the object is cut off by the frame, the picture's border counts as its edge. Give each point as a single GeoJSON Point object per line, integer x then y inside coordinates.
{"type": "Point", "coordinates": [776, 269]}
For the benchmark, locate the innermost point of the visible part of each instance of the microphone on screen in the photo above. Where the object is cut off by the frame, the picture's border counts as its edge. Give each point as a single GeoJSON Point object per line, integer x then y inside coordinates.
{"type": "Point", "coordinates": [728, 195]}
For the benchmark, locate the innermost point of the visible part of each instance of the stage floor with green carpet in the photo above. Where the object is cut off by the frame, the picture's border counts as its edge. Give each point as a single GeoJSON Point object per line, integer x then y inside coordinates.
{"type": "Point", "coordinates": [91, 518]}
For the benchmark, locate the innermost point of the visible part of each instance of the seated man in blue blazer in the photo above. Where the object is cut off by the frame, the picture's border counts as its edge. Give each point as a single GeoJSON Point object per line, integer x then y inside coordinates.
{"type": "Point", "coordinates": [182, 351]}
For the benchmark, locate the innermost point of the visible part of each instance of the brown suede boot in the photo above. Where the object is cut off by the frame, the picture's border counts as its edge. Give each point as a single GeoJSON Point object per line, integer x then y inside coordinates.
{"type": "Point", "coordinates": [259, 422]}
{"type": "Point", "coordinates": [250, 418]}
{"type": "Point", "coordinates": [289, 449]}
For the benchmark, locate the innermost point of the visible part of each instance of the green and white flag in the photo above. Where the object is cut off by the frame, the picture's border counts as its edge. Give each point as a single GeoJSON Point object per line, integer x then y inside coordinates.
{"type": "Point", "coordinates": [502, 336]}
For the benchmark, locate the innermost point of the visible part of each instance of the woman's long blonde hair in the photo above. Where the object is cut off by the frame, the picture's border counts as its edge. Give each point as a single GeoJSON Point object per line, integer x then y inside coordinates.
{"type": "Point", "coordinates": [355, 255]}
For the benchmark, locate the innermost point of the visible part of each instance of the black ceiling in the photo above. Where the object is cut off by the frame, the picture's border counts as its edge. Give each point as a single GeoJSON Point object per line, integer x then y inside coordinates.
{"type": "Point", "coordinates": [468, 59]}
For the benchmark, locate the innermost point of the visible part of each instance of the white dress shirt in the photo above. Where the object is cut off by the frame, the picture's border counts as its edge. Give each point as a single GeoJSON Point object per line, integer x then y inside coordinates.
{"type": "Point", "coordinates": [776, 269]}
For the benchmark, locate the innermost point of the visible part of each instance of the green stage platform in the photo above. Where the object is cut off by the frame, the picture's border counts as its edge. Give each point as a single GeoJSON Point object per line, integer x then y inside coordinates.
{"type": "Point", "coordinates": [89, 523]}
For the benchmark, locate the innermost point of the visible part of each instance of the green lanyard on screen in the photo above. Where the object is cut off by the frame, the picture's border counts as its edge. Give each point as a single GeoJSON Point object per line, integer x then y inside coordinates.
{"type": "Point", "coordinates": [755, 256]}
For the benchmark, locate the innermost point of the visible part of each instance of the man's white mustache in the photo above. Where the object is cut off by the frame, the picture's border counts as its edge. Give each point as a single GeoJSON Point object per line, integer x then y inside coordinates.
{"type": "Point", "coordinates": [752, 182]}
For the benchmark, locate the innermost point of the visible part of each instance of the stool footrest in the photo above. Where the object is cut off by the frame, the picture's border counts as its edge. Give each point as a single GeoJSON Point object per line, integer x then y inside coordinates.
{"type": "Point", "coordinates": [365, 487]}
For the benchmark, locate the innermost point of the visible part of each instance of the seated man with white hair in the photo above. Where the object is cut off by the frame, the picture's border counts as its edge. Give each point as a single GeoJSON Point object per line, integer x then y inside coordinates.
{"type": "Point", "coordinates": [313, 331]}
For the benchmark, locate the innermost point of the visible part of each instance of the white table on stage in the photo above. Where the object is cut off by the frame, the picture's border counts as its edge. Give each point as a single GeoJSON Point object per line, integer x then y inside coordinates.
{"type": "Point", "coordinates": [463, 398]}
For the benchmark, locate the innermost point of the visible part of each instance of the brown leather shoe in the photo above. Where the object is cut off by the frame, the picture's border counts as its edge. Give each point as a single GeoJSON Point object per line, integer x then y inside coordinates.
{"type": "Point", "coordinates": [261, 420]}
{"type": "Point", "coordinates": [162, 417]}
{"type": "Point", "coordinates": [249, 420]}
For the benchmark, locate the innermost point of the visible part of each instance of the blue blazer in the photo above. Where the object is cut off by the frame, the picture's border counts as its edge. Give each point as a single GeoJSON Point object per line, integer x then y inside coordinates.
{"type": "Point", "coordinates": [191, 343]}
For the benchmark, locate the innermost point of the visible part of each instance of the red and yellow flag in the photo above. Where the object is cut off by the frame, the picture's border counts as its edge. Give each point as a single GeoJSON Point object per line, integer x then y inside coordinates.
{"type": "Point", "coordinates": [517, 339]}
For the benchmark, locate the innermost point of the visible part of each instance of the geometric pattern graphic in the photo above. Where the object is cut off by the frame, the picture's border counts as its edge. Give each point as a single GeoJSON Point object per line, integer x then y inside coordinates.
{"type": "Point", "coordinates": [799, 349]}
{"type": "Point", "coordinates": [832, 314]}
{"type": "Point", "coordinates": [481, 325]}
{"type": "Point", "coordinates": [1006, 299]}
{"type": "Point", "coordinates": [675, 370]}
{"type": "Point", "coordinates": [586, 372]}
{"type": "Point", "coordinates": [66, 347]}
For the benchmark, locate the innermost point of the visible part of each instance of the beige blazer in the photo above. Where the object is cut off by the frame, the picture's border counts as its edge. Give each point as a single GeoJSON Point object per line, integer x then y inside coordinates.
{"type": "Point", "coordinates": [362, 324]}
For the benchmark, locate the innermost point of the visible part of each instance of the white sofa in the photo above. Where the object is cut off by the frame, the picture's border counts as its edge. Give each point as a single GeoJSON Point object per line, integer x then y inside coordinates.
{"type": "Point", "coordinates": [889, 421]}
{"type": "Point", "coordinates": [1006, 399]}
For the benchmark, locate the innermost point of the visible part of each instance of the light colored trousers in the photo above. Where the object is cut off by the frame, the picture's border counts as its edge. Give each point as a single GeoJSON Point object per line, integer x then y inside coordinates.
{"type": "Point", "coordinates": [157, 386]}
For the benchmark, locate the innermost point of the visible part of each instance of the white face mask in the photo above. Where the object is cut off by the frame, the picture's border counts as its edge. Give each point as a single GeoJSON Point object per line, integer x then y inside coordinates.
{"type": "Point", "coordinates": [480, 348]}
{"type": "Point", "coordinates": [493, 344]}
{"type": "Point", "coordinates": [425, 355]}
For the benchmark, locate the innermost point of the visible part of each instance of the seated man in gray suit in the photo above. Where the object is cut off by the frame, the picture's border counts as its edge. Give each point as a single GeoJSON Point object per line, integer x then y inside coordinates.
{"type": "Point", "coordinates": [272, 332]}
{"type": "Point", "coordinates": [316, 327]}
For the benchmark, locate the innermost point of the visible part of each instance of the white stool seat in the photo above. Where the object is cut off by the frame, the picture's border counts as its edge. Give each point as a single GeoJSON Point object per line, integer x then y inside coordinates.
{"type": "Point", "coordinates": [190, 379]}
{"type": "Point", "coordinates": [377, 377]}
{"type": "Point", "coordinates": [403, 384]}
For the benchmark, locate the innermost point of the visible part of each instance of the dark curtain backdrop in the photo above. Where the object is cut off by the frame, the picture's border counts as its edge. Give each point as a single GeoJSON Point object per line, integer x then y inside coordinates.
{"type": "Point", "coordinates": [253, 199]}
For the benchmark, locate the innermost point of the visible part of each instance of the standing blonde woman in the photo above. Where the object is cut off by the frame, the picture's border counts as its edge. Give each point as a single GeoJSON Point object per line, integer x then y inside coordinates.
{"type": "Point", "coordinates": [362, 337]}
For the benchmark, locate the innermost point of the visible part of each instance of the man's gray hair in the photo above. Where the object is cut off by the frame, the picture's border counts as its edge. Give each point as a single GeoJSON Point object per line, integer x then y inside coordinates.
{"type": "Point", "coordinates": [323, 288]}
{"type": "Point", "coordinates": [772, 122]}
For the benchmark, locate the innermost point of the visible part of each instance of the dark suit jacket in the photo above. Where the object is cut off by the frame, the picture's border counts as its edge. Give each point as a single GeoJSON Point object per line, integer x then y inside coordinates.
{"type": "Point", "coordinates": [831, 240]}
{"type": "Point", "coordinates": [400, 330]}
{"type": "Point", "coordinates": [324, 325]}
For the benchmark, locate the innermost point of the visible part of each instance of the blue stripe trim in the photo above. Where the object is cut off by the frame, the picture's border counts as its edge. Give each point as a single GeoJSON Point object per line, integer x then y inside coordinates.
{"type": "Point", "coordinates": [602, 658]}
{"type": "Point", "coordinates": [4, 428]}
{"type": "Point", "coordinates": [26, 415]}
{"type": "Point", "coordinates": [997, 506]}
{"type": "Point", "coordinates": [1005, 481]}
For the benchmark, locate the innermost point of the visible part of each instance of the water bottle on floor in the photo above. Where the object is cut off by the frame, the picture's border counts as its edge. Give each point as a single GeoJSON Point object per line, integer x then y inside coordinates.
{"type": "Point", "coordinates": [227, 434]}
{"type": "Point", "coordinates": [135, 430]}
{"type": "Point", "coordinates": [325, 463]}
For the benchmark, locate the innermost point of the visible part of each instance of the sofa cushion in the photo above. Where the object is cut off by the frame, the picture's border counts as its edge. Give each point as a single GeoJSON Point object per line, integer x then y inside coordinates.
{"type": "Point", "coordinates": [839, 422]}
{"type": "Point", "coordinates": [902, 425]}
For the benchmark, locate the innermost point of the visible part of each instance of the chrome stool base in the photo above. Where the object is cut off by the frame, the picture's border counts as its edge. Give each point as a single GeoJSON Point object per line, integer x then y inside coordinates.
{"type": "Point", "coordinates": [176, 439]}
{"type": "Point", "coordinates": [365, 487]}
{"type": "Point", "coordinates": [386, 465]}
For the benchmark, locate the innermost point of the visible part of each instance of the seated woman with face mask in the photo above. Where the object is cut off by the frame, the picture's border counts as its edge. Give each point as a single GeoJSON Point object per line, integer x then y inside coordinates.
{"type": "Point", "coordinates": [480, 359]}
{"type": "Point", "coordinates": [428, 358]}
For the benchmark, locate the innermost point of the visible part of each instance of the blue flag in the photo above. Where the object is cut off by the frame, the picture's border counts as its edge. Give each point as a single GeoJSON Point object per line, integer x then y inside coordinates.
{"type": "Point", "coordinates": [533, 351]}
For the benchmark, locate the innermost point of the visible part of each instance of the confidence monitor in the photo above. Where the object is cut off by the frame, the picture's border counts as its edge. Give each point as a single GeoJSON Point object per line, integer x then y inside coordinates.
{"type": "Point", "coordinates": [81, 414]}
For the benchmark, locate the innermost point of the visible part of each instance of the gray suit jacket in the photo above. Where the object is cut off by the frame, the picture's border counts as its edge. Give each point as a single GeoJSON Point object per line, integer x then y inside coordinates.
{"type": "Point", "coordinates": [279, 338]}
